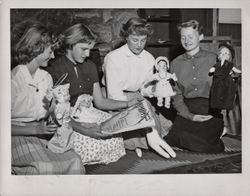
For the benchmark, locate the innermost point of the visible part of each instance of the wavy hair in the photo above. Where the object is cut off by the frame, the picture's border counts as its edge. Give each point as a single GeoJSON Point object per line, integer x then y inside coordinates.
{"type": "Point", "coordinates": [136, 26]}
{"type": "Point", "coordinates": [32, 43]}
{"type": "Point", "coordinates": [191, 23]}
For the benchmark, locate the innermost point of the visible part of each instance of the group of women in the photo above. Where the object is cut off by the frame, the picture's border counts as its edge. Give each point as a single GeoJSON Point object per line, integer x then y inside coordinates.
{"type": "Point", "coordinates": [125, 70]}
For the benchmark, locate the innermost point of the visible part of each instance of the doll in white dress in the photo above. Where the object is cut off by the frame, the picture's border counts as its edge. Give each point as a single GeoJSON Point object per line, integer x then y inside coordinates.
{"type": "Point", "coordinates": [159, 84]}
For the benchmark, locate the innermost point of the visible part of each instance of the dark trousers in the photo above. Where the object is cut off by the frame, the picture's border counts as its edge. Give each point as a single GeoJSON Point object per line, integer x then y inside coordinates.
{"type": "Point", "coordinates": [198, 136]}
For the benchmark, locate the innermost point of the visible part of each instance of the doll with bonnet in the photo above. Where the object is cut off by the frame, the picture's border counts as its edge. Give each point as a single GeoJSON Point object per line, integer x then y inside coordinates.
{"type": "Point", "coordinates": [223, 89]}
{"type": "Point", "coordinates": [163, 88]}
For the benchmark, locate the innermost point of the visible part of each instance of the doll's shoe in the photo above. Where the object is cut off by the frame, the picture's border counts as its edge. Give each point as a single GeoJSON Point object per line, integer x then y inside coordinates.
{"type": "Point", "coordinates": [138, 152]}
{"type": "Point", "coordinates": [167, 106]}
{"type": "Point", "coordinates": [159, 104]}
{"type": "Point", "coordinates": [225, 130]}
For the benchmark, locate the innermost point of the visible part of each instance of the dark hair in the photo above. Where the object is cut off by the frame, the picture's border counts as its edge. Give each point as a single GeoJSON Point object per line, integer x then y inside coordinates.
{"type": "Point", "coordinates": [229, 47]}
{"type": "Point", "coordinates": [32, 43]}
{"type": "Point", "coordinates": [191, 23]}
{"type": "Point", "coordinates": [136, 26]}
{"type": "Point", "coordinates": [78, 33]}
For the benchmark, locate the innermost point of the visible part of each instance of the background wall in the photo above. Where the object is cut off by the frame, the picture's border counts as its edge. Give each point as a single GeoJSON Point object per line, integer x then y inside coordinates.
{"type": "Point", "coordinates": [106, 23]}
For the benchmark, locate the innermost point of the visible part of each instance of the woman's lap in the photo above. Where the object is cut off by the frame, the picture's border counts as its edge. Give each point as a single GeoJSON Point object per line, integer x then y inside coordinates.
{"type": "Point", "coordinates": [30, 156]}
{"type": "Point", "coordinates": [197, 136]}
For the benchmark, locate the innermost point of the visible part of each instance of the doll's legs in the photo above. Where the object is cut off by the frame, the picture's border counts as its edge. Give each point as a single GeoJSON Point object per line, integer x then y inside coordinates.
{"type": "Point", "coordinates": [160, 101]}
{"type": "Point", "coordinates": [167, 102]}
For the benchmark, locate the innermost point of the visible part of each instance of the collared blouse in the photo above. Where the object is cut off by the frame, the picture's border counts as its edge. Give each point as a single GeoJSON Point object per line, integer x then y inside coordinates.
{"type": "Point", "coordinates": [193, 79]}
{"type": "Point", "coordinates": [125, 71]}
{"type": "Point", "coordinates": [27, 94]}
{"type": "Point", "coordinates": [81, 76]}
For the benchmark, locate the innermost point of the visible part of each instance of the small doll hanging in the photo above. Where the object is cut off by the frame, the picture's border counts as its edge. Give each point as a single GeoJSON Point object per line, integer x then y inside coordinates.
{"type": "Point", "coordinates": [223, 89]}
{"type": "Point", "coordinates": [63, 139]}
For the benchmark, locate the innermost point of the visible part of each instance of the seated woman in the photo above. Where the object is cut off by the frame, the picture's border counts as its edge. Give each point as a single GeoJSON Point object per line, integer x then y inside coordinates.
{"type": "Point", "coordinates": [29, 85]}
{"type": "Point", "coordinates": [89, 142]}
{"type": "Point", "coordinates": [126, 70]}
{"type": "Point", "coordinates": [197, 126]}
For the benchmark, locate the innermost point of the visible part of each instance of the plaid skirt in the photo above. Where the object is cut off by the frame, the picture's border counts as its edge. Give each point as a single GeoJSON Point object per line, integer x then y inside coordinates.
{"type": "Point", "coordinates": [30, 156]}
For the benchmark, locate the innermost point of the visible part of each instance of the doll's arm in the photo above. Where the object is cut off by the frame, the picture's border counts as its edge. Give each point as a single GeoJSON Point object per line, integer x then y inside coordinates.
{"type": "Point", "coordinates": [173, 76]}
{"type": "Point", "coordinates": [236, 70]}
{"type": "Point", "coordinates": [59, 113]}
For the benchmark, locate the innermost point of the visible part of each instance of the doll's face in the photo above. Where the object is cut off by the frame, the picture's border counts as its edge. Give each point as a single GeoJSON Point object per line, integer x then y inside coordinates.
{"type": "Point", "coordinates": [86, 101]}
{"type": "Point", "coordinates": [162, 65]}
{"type": "Point", "coordinates": [224, 53]}
{"type": "Point", "coordinates": [61, 93]}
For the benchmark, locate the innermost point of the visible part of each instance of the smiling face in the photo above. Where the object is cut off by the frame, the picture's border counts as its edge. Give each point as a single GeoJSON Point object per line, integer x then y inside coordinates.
{"type": "Point", "coordinates": [43, 58]}
{"type": "Point", "coordinates": [190, 39]}
{"type": "Point", "coordinates": [136, 43]}
{"type": "Point", "coordinates": [80, 52]}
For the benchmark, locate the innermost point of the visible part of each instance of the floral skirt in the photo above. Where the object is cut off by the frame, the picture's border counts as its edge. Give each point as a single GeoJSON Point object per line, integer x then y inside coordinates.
{"type": "Point", "coordinates": [96, 151]}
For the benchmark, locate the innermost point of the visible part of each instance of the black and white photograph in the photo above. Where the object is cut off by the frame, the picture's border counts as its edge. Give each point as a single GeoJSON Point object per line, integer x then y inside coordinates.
{"type": "Point", "coordinates": [123, 93]}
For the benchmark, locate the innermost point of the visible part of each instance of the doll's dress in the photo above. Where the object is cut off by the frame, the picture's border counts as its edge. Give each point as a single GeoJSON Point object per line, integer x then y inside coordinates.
{"type": "Point", "coordinates": [163, 87]}
{"type": "Point", "coordinates": [223, 89]}
{"type": "Point", "coordinates": [62, 140]}
{"type": "Point", "coordinates": [96, 151]}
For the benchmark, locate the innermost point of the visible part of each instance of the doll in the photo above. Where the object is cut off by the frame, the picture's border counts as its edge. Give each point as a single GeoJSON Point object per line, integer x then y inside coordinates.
{"type": "Point", "coordinates": [223, 89]}
{"type": "Point", "coordinates": [63, 138]}
{"type": "Point", "coordinates": [159, 84]}
{"type": "Point", "coordinates": [84, 111]}
{"type": "Point", "coordinates": [91, 150]}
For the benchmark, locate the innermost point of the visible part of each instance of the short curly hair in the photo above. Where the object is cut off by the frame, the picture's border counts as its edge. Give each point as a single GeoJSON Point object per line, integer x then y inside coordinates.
{"type": "Point", "coordinates": [32, 43]}
{"type": "Point", "coordinates": [136, 26]}
{"type": "Point", "coordinates": [191, 23]}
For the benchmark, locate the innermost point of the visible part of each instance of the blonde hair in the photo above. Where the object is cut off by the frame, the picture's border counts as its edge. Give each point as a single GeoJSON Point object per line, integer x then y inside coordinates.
{"type": "Point", "coordinates": [78, 33]}
{"type": "Point", "coordinates": [32, 43]}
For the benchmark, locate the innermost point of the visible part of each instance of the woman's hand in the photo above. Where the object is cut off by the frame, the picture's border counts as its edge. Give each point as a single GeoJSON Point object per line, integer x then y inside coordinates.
{"type": "Point", "coordinates": [89, 129]}
{"type": "Point", "coordinates": [33, 128]}
{"type": "Point", "coordinates": [201, 118]}
{"type": "Point", "coordinates": [44, 128]}
{"type": "Point", "coordinates": [159, 145]}
{"type": "Point", "coordinates": [94, 130]}
{"type": "Point", "coordinates": [134, 101]}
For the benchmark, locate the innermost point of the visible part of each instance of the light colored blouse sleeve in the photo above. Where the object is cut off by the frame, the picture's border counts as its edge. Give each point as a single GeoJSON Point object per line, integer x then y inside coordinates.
{"type": "Point", "coordinates": [113, 78]}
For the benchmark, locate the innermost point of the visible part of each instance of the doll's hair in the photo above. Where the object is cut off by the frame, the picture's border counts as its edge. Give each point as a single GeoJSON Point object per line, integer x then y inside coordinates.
{"type": "Point", "coordinates": [136, 26]}
{"type": "Point", "coordinates": [159, 59]}
{"type": "Point", "coordinates": [229, 47]}
{"type": "Point", "coordinates": [33, 42]}
{"type": "Point", "coordinates": [191, 23]}
{"type": "Point", "coordinates": [78, 33]}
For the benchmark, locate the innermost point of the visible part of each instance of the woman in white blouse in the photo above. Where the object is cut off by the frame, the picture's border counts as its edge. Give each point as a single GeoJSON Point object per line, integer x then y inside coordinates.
{"type": "Point", "coordinates": [125, 71]}
{"type": "Point", "coordinates": [30, 133]}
